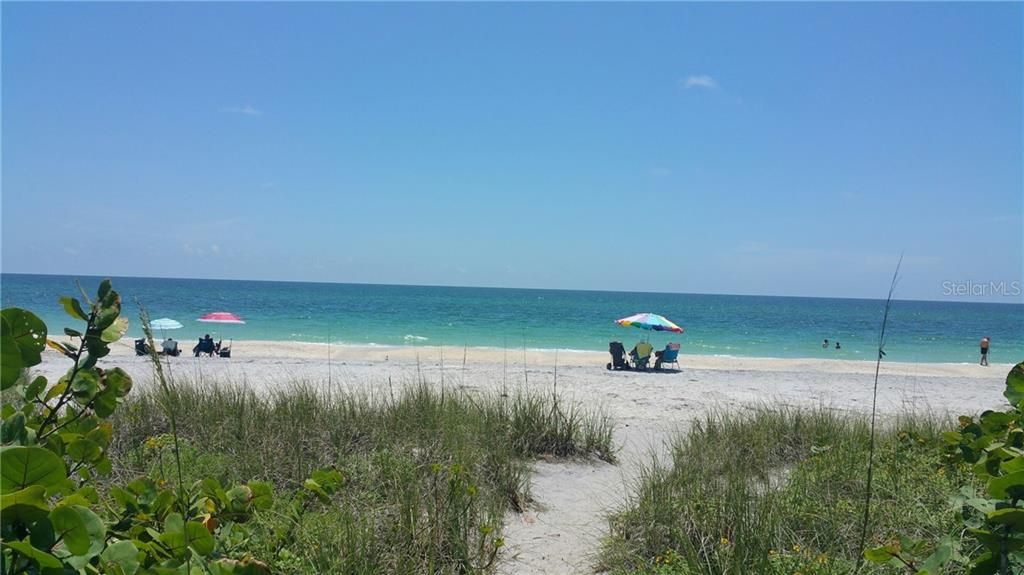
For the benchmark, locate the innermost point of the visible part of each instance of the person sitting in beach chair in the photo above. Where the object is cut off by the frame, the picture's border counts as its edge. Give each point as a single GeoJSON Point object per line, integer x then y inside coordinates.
{"type": "Point", "coordinates": [141, 348]}
{"type": "Point", "coordinates": [618, 352]}
{"type": "Point", "coordinates": [668, 355]}
{"type": "Point", "coordinates": [170, 347]}
{"type": "Point", "coordinates": [641, 354]}
{"type": "Point", "coordinates": [205, 345]}
{"type": "Point", "coordinates": [223, 351]}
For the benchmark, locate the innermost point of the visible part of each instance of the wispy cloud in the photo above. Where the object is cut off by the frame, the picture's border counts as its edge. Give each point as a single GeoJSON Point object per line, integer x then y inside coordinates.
{"type": "Point", "coordinates": [246, 110]}
{"type": "Point", "coordinates": [702, 81]}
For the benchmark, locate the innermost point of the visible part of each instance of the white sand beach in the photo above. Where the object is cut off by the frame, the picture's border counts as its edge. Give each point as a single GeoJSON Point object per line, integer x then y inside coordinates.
{"type": "Point", "coordinates": [561, 531]}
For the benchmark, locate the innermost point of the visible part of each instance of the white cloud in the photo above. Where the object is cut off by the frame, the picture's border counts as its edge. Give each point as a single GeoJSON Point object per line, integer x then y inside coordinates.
{"type": "Point", "coordinates": [246, 110]}
{"type": "Point", "coordinates": [703, 81]}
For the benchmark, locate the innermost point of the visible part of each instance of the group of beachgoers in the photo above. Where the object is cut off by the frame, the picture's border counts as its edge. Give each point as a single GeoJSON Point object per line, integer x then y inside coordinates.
{"type": "Point", "coordinates": [205, 346]}
{"type": "Point", "coordinates": [211, 349]}
{"type": "Point", "coordinates": [984, 348]}
{"type": "Point", "coordinates": [640, 356]}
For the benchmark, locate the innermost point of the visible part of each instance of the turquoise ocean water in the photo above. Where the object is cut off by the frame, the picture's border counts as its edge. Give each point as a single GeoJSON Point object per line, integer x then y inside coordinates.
{"type": "Point", "coordinates": [756, 326]}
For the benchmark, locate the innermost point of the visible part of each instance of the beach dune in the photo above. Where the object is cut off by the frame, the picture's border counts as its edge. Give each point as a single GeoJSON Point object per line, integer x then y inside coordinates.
{"type": "Point", "coordinates": [562, 529]}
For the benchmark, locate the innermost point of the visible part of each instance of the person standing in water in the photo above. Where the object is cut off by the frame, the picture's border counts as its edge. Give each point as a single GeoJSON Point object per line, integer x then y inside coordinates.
{"type": "Point", "coordinates": [984, 351]}
{"type": "Point", "coordinates": [824, 344]}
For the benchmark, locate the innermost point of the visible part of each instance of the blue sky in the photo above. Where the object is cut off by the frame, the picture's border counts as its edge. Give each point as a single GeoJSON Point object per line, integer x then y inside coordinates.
{"type": "Point", "coordinates": [791, 149]}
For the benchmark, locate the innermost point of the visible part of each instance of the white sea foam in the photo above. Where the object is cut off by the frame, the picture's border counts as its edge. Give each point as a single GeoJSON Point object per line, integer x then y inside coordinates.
{"type": "Point", "coordinates": [411, 337]}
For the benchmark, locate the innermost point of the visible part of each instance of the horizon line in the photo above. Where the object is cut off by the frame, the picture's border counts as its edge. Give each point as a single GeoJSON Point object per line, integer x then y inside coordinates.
{"type": "Point", "coordinates": [512, 288]}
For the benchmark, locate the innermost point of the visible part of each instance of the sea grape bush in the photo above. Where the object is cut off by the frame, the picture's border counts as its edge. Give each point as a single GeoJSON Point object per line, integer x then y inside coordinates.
{"type": "Point", "coordinates": [55, 440]}
{"type": "Point", "coordinates": [991, 446]}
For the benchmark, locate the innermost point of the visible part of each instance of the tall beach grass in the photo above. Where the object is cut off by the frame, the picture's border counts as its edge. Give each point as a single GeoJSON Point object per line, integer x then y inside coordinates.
{"type": "Point", "coordinates": [780, 490]}
{"type": "Point", "coordinates": [428, 473]}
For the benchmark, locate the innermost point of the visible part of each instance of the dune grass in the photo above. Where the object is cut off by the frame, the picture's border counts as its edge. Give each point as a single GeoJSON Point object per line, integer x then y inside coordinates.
{"type": "Point", "coordinates": [428, 475]}
{"type": "Point", "coordinates": [780, 490]}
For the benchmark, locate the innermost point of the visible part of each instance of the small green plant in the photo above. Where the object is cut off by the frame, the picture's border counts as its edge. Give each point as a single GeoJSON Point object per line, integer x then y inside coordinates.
{"type": "Point", "coordinates": [55, 446]}
{"type": "Point", "coordinates": [991, 448]}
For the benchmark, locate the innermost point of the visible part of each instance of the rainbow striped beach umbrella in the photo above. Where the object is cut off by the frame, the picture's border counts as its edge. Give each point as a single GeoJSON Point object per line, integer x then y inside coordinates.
{"type": "Point", "coordinates": [649, 321]}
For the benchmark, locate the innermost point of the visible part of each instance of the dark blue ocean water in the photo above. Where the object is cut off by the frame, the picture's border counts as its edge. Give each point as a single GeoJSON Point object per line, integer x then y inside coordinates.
{"type": "Point", "coordinates": [760, 326]}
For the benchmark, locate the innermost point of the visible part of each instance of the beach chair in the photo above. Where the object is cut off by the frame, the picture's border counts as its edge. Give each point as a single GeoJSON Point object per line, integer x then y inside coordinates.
{"type": "Point", "coordinates": [641, 355]}
{"type": "Point", "coordinates": [670, 356]}
{"type": "Point", "coordinates": [204, 346]}
{"type": "Point", "coordinates": [618, 352]}
{"type": "Point", "coordinates": [141, 348]}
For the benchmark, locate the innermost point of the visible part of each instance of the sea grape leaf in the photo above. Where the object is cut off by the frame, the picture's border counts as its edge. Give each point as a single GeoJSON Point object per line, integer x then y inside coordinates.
{"type": "Point", "coordinates": [105, 404]}
{"type": "Point", "coordinates": [118, 380]}
{"type": "Point", "coordinates": [107, 314]}
{"type": "Point", "coordinates": [1015, 384]}
{"type": "Point", "coordinates": [115, 330]}
{"type": "Point", "coordinates": [33, 389]}
{"type": "Point", "coordinates": [73, 307]}
{"type": "Point", "coordinates": [262, 494]}
{"type": "Point", "coordinates": [317, 490]}
{"type": "Point", "coordinates": [1007, 486]}
{"type": "Point", "coordinates": [984, 564]}
{"type": "Point", "coordinates": [995, 421]}
{"type": "Point", "coordinates": [56, 390]}
{"type": "Point", "coordinates": [121, 558]}
{"type": "Point", "coordinates": [329, 479]}
{"type": "Point", "coordinates": [882, 554]}
{"type": "Point", "coordinates": [101, 434]}
{"type": "Point", "coordinates": [103, 290]}
{"type": "Point", "coordinates": [13, 429]}
{"type": "Point", "coordinates": [44, 560]}
{"type": "Point", "coordinates": [28, 332]}
{"type": "Point", "coordinates": [240, 567]}
{"type": "Point", "coordinates": [86, 385]}
{"type": "Point", "coordinates": [42, 536]}
{"type": "Point", "coordinates": [26, 506]}
{"type": "Point", "coordinates": [1013, 465]}
{"type": "Point", "coordinates": [1010, 516]}
{"type": "Point", "coordinates": [940, 557]}
{"type": "Point", "coordinates": [84, 450]}
{"type": "Point", "coordinates": [179, 536]}
{"type": "Point", "coordinates": [81, 530]}
{"type": "Point", "coordinates": [22, 466]}
{"type": "Point", "coordinates": [22, 340]}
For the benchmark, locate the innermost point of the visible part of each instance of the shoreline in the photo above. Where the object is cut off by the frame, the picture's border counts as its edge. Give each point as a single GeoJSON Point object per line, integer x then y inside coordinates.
{"type": "Point", "coordinates": [454, 356]}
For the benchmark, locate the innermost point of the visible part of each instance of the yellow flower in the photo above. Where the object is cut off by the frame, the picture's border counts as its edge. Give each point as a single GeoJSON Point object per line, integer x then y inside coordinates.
{"type": "Point", "coordinates": [796, 549]}
{"type": "Point", "coordinates": [724, 541]}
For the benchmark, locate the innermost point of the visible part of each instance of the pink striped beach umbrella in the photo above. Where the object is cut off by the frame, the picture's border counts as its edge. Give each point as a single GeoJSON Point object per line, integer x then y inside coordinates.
{"type": "Point", "coordinates": [221, 317]}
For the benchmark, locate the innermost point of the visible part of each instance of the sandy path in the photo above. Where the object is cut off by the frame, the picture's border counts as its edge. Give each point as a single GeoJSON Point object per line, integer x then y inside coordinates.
{"type": "Point", "coordinates": [561, 533]}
